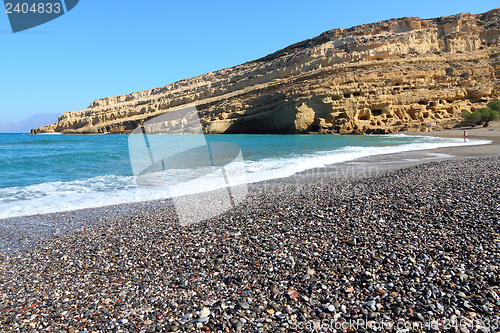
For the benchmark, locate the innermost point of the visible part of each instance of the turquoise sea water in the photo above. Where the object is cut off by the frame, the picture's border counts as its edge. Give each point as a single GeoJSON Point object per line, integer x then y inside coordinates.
{"type": "Point", "coordinates": [51, 173]}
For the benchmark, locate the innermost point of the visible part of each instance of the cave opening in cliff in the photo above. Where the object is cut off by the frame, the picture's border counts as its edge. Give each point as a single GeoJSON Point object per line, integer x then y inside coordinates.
{"type": "Point", "coordinates": [376, 112]}
{"type": "Point", "coordinates": [412, 114]}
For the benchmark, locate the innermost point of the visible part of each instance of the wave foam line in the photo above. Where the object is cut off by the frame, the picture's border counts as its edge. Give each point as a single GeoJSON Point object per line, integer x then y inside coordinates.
{"type": "Point", "coordinates": [111, 190]}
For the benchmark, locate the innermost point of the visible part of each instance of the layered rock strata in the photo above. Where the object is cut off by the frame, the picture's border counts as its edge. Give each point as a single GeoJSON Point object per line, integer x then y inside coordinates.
{"type": "Point", "coordinates": [407, 74]}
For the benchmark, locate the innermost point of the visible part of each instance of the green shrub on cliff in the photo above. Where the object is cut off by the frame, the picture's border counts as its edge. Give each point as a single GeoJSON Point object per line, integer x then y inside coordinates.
{"type": "Point", "coordinates": [488, 115]}
{"type": "Point", "coordinates": [471, 117]}
{"type": "Point", "coordinates": [483, 115]}
{"type": "Point", "coordinates": [494, 105]}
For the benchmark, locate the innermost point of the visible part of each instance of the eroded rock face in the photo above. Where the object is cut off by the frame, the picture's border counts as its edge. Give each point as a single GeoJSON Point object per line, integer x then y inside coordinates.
{"type": "Point", "coordinates": [396, 75]}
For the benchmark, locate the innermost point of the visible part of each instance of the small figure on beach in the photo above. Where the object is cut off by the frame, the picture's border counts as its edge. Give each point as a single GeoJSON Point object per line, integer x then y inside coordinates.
{"type": "Point", "coordinates": [465, 136]}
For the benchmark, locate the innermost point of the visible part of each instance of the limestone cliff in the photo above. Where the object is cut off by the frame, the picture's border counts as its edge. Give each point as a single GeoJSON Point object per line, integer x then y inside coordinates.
{"type": "Point", "coordinates": [391, 76]}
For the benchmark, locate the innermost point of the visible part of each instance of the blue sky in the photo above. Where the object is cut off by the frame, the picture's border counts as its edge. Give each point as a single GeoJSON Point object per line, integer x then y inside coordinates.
{"type": "Point", "coordinates": [113, 47]}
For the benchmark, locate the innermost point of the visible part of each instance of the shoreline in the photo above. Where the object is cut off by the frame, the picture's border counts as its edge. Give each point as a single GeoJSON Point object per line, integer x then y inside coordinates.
{"type": "Point", "coordinates": [492, 132]}
{"type": "Point", "coordinates": [30, 228]}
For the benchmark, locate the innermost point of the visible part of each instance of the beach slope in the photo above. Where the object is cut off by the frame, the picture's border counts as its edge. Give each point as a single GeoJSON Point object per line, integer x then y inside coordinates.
{"type": "Point", "coordinates": [417, 244]}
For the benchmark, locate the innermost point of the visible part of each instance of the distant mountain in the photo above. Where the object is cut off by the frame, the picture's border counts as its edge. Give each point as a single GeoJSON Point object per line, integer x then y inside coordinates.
{"type": "Point", "coordinates": [25, 126]}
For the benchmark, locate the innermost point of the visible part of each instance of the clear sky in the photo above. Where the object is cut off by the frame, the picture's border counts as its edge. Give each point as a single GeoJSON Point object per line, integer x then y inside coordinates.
{"type": "Point", "coordinates": [111, 47]}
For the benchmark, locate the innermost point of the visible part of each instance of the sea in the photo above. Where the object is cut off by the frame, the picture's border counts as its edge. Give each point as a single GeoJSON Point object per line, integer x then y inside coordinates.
{"type": "Point", "coordinates": [51, 173]}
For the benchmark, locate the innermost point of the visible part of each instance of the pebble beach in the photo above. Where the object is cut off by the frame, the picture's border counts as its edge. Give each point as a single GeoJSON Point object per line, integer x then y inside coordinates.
{"type": "Point", "coordinates": [414, 248]}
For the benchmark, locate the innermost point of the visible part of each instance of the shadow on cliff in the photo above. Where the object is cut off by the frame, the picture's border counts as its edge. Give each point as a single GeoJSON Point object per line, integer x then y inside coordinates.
{"type": "Point", "coordinates": [272, 113]}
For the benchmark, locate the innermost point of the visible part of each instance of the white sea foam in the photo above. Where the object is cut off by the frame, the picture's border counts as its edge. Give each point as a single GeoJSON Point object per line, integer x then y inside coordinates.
{"type": "Point", "coordinates": [285, 167]}
{"type": "Point", "coordinates": [109, 190]}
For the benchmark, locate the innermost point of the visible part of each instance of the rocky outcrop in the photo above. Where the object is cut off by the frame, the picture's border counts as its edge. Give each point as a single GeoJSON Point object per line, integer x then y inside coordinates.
{"type": "Point", "coordinates": [391, 76]}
